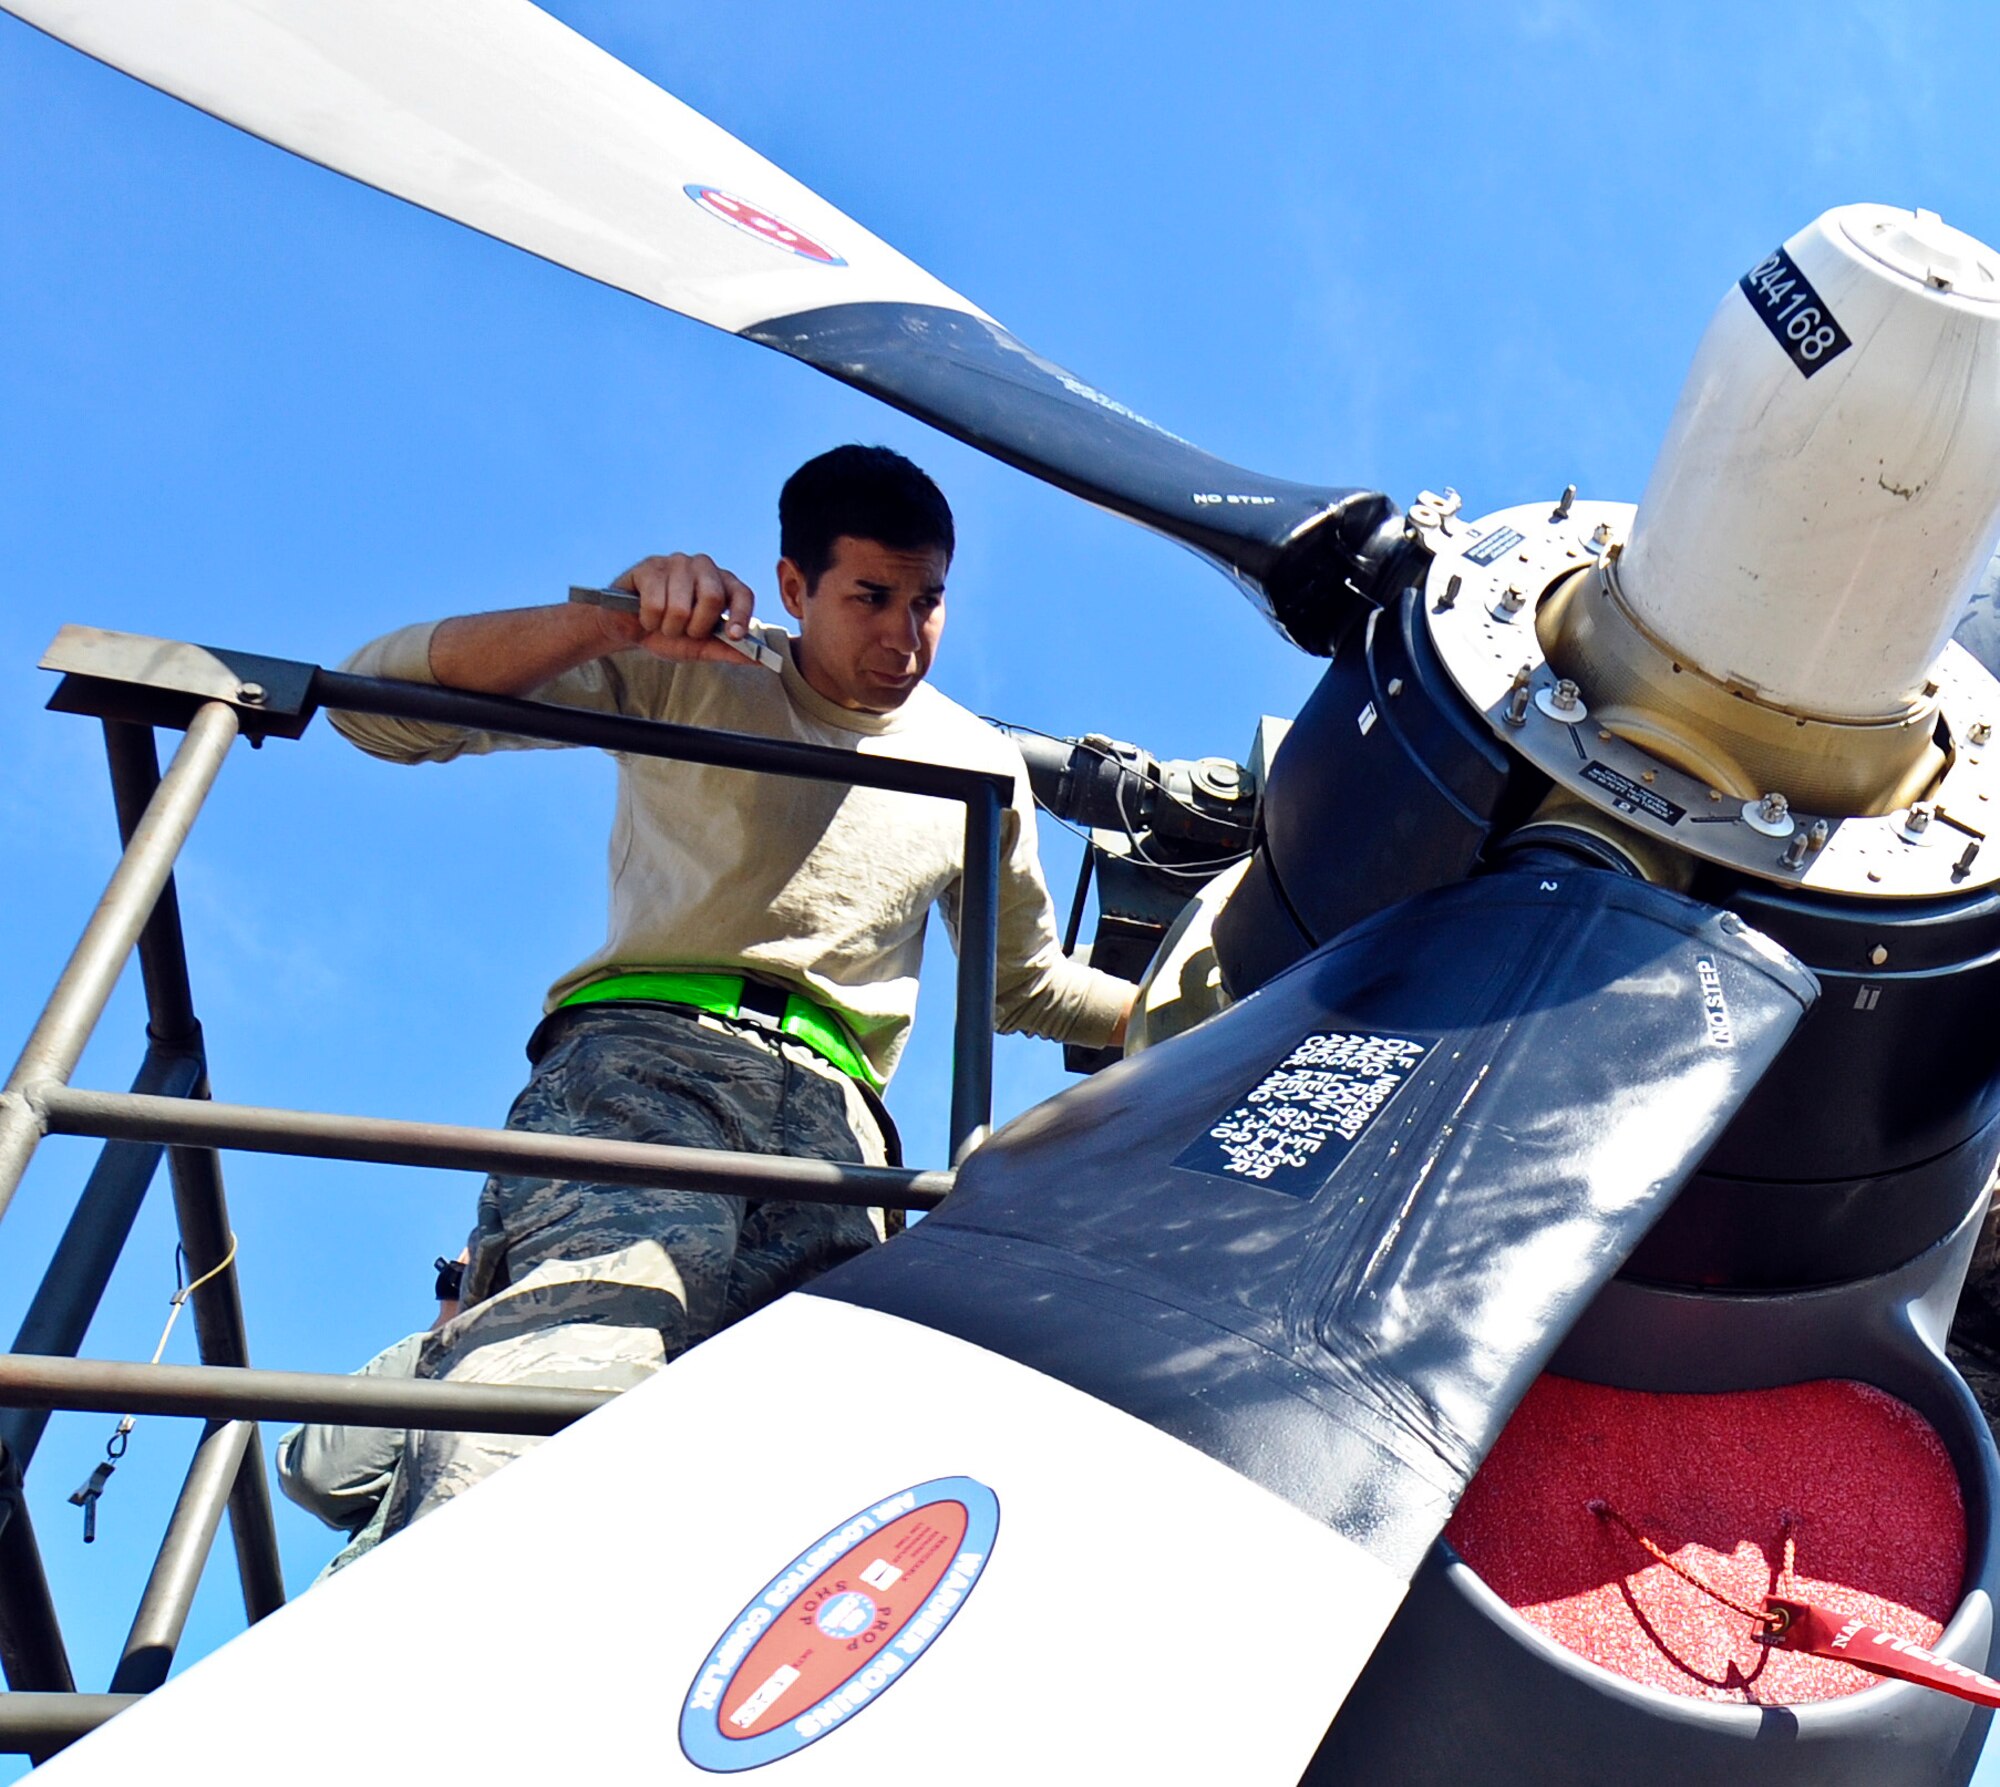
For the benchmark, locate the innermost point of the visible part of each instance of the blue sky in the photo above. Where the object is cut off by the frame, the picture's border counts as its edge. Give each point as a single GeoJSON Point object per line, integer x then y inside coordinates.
{"type": "Point", "coordinates": [248, 403]}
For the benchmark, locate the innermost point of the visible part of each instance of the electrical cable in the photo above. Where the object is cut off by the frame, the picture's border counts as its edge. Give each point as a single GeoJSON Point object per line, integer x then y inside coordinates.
{"type": "Point", "coordinates": [1201, 869]}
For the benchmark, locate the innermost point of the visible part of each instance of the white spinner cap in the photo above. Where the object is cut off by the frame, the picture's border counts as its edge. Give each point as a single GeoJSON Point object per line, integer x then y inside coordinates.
{"type": "Point", "coordinates": [1829, 488]}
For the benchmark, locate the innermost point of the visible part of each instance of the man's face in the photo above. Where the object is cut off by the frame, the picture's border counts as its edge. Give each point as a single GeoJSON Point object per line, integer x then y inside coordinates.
{"type": "Point", "coordinates": [871, 625]}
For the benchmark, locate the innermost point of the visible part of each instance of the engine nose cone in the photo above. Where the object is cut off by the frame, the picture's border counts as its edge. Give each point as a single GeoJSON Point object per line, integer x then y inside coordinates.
{"type": "Point", "coordinates": [1827, 493]}
{"type": "Point", "coordinates": [1922, 247]}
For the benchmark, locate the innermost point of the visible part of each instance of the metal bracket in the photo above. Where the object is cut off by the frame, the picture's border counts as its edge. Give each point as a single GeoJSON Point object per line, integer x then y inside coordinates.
{"type": "Point", "coordinates": [162, 682]}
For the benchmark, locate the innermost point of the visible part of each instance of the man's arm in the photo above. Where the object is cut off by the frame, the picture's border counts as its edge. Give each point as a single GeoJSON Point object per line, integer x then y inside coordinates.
{"type": "Point", "coordinates": [1038, 988]}
{"type": "Point", "coordinates": [682, 599]}
{"type": "Point", "coordinates": [562, 652]}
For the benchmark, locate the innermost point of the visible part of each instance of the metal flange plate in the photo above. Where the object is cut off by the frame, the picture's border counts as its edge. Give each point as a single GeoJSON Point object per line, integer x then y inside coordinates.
{"type": "Point", "coordinates": [1486, 638]}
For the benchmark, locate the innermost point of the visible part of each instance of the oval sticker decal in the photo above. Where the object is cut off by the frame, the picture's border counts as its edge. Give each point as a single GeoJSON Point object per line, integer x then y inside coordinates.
{"type": "Point", "coordinates": [838, 1625]}
{"type": "Point", "coordinates": [756, 221]}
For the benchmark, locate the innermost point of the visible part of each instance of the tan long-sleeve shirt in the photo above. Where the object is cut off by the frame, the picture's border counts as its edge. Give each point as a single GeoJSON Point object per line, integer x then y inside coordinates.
{"type": "Point", "coordinates": [811, 884]}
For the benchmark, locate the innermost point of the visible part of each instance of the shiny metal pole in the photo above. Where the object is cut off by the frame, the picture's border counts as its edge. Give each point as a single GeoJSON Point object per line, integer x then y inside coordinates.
{"type": "Point", "coordinates": [978, 940]}
{"type": "Point", "coordinates": [163, 1608]}
{"type": "Point", "coordinates": [117, 1386]}
{"type": "Point", "coordinates": [201, 1123]}
{"type": "Point", "coordinates": [80, 995]}
{"type": "Point", "coordinates": [40, 1724]}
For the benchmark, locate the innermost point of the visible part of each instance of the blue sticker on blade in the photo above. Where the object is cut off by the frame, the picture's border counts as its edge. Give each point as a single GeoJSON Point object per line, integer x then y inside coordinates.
{"type": "Point", "coordinates": [1796, 315]}
{"type": "Point", "coordinates": [1295, 1126]}
{"type": "Point", "coordinates": [836, 1628]}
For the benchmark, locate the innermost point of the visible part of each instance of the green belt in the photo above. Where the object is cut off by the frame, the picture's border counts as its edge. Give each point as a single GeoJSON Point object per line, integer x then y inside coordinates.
{"type": "Point", "coordinates": [733, 996]}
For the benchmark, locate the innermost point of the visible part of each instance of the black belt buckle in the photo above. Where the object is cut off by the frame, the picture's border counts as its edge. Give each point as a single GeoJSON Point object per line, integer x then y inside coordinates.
{"type": "Point", "coordinates": [761, 1001]}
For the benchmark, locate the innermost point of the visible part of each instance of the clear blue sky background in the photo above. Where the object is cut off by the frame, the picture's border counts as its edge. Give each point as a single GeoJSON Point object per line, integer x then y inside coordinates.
{"type": "Point", "coordinates": [248, 403]}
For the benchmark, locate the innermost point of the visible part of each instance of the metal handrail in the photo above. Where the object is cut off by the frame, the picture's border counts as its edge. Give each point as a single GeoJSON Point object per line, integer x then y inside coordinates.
{"type": "Point", "coordinates": [983, 793]}
{"type": "Point", "coordinates": [132, 686]}
{"type": "Point", "coordinates": [390, 1141]}
{"type": "Point", "coordinates": [120, 1387]}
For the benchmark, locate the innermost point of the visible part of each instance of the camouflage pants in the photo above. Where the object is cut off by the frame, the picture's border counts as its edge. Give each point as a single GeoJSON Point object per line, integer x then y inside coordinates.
{"type": "Point", "coordinates": [595, 1286]}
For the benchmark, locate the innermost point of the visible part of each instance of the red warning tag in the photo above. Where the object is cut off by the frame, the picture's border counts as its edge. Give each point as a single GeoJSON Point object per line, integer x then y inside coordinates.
{"type": "Point", "coordinates": [1800, 1626]}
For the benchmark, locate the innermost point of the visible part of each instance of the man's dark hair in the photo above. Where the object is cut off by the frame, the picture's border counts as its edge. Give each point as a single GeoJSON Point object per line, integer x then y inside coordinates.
{"type": "Point", "coordinates": [867, 493]}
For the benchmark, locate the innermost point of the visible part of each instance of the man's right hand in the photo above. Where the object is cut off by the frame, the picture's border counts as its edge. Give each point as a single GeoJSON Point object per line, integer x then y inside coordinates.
{"type": "Point", "coordinates": [687, 605]}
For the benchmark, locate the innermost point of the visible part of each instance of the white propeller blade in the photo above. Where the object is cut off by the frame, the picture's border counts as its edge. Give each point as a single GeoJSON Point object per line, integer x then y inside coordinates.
{"type": "Point", "coordinates": [494, 114]}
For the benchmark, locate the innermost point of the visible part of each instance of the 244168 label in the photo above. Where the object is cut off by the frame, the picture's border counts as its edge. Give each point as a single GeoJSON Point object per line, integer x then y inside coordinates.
{"type": "Point", "coordinates": [1796, 315]}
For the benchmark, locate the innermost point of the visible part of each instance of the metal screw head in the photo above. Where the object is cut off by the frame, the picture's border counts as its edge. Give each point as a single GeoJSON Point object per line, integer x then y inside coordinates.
{"type": "Point", "coordinates": [1513, 598]}
{"type": "Point", "coordinates": [1795, 851]}
{"type": "Point", "coordinates": [1920, 817]}
{"type": "Point", "coordinates": [1566, 694]}
{"type": "Point", "coordinates": [1979, 733]}
{"type": "Point", "coordinates": [250, 693]}
{"type": "Point", "coordinates": [1395, 687]}
{"type": "Point", "coordinates": [1773, 807]}
{"type": "Point", "coordinates": [1878, 955]}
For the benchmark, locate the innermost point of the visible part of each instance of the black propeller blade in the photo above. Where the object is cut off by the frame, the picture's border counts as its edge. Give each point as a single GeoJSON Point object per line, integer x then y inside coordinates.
{"type": "Point", "coordinates": [1331, 1236]}
{"type": "Point", "coordinates": [1309, 557]}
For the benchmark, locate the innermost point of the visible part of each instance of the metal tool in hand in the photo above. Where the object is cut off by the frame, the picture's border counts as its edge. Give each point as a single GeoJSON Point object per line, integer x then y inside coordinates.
{"type": "Point", "coordinates": [624, 602]}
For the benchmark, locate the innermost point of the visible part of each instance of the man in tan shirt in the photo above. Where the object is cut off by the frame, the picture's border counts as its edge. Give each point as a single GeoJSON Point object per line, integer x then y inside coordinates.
{"type": "Point", "coordinates": [760, 974]}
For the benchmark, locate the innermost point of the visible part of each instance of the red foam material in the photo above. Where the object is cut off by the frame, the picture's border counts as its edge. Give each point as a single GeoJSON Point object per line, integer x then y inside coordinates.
{"type": "Point", "coordinates": [1880, 1527]}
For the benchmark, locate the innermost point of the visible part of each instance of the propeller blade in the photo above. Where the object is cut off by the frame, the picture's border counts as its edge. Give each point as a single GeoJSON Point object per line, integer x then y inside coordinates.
{"type": "Point", "coordinates": [1331, 1237]}
{"type": "Point", "coordinates": [494, 114]}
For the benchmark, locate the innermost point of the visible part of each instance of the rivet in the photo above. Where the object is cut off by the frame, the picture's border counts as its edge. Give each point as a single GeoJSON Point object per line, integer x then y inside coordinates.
{"type": "Point", "coordinates": [1878, 955]}
{"type": "Point", "coordinates": [251, 693]}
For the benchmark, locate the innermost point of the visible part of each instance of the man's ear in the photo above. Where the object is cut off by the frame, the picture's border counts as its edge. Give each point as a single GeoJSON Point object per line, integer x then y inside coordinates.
{"type": "Point", "coordinates": [792, 588]}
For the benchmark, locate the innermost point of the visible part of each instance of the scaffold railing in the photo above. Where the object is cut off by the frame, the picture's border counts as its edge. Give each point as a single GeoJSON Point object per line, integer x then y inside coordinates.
{"type": "Point", "coordinates": [136, 686]}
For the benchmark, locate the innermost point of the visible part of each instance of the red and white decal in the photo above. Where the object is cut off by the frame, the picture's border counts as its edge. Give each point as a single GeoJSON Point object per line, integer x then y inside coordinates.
{"type": "Point", "coordinates": [755, 221]}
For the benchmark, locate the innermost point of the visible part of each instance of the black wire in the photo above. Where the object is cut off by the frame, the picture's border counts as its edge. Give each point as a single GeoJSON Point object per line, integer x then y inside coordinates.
{"type": "Point", "coordinates": [1203, 869]}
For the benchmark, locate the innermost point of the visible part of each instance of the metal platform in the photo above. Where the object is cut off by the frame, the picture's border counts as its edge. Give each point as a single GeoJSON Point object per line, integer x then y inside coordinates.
{"type": "Point", "coordinates": [134, 686]}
